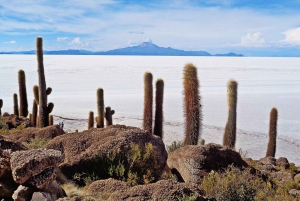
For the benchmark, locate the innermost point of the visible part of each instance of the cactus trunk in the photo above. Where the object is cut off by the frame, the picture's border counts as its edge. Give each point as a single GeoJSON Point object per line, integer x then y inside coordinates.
{"type": "Point", "coordinates": [91, 120]}
{"type": "Point", "coordinates": [192, 107]}
{"type": "Point", "coordinates": [22, 94]}
{"type": "Point", "coordinates": [159, 97]}
{"type": "Point", "coordinates": [148, 102]}
{"type": "Point", "coordinates": [1, 105]}
{"type": "Point", "coordinates": [50, 120]}
{"type": "Point", "coordinates": [108, 116]}
{"type": "Point", "coordinates": [272, 133]}
{"type": "Point", "coordinates": [230, 129]}
{"type": "Point", "coordinates": [34, 113]}
{"type": "Point", "coordinates": [16, 104]}
{"type": "Point", "coordinates": [100, 108]}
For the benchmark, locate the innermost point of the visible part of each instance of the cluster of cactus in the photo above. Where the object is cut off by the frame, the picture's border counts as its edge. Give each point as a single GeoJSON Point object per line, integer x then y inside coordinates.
{"type": "Point", "coordinates": [44, 109]}
{"type": "Point", "coordinates": [192, 106]}
{"type": "Point", "coordinates": [23, 110]}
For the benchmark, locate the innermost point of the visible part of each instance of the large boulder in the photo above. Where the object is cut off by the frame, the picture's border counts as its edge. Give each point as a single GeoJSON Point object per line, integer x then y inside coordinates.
{"type": "Point", "coordinates": [96, 150]}
{"type": "Point", "coordinates": [34, 164]}
{"type": "Point", "coordinates": [13, 121]}
{"type": "Point", "coordinates": [162, 190]}
{"type": "Point", "coordinates": [190, 163]}
{"type": "Point", "coordinates": [5, 170]}
{"type": "Point", "coordinates": [7, 143]}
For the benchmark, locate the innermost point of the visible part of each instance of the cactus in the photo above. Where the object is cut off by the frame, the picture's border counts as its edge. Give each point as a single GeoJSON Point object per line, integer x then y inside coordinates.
{"type": "Point", "coordinates": [272, 133]}
{"type": "Point", "coordinates": [50, 120]}
{"type": "Point", "coordinates": [44, 109]}
{"type": "Point", "coordinates": [108, 116]}
{"type": "Point", "coordinates": [91, 120]}
{"type": "Point", "coordinates": [230, 129]}
{"type": "Point", "coordinates": [16, 104]}
{"type": "Point", "coordinates": [159, 97]}
{"type": "Point", "coordinates": [148, 102]}
{"type": "Point", "coordinates": [36, 93]}
{"type": "Point", "coordinates": [192, 107]}
{"type": "Point", "coordinates": [100, 108]}
{"type": "Point", "coordinates": [34, 113]}
{"type": "Point", "coordinates": [1, 105]}
{"type": "Point", "coordinates": [23, 110]}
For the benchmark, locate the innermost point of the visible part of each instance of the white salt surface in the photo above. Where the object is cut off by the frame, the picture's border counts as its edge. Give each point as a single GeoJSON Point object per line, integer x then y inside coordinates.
{"type": "Point", "coordinates": [263, 83]}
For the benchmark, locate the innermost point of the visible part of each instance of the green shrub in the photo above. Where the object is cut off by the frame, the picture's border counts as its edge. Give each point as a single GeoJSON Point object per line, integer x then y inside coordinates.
{"type": "Point", "coordinates": [175, 145]}
{"type": "Point", "coordinates": [36, 143]}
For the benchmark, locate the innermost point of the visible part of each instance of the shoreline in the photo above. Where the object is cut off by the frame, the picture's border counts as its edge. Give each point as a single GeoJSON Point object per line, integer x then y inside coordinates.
{"type": "Point", "coordinates": [252, 144]}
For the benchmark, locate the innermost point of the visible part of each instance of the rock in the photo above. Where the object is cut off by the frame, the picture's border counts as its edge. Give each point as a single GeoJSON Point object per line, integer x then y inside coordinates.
{"type": "Point", "coordinates": [13, 121]}
{"type": "Point", "coordinates": [43, 179]}
{"type": "Point", "coordinates": [268, 167]}
{"type": "Point", "coordinates": [91, 150]}
{"type": "Point", "coordinates": [5, 170]}
{"type": "Point", "coordinates": [297, 178]}
{"type": "Point", "coordinates": [41, 196]}
{"type": "Point", "coordinates": [26, 164]}
{"type": "Point", "coordinates": [162, 190]}
{"type": "Point", "coordinates": [268, 160]}
{"type": "Point", "coordinates": [190, 163]}
{"type": "Point", "coordinates": [282, 176]}
{"type": "Point", "coordinates": [75, 198]}
{"type": "Point", "coordinates": [283, 162]}
{"type": "Point", "coordinates": [107, 186]}
{"type": "Point", "coordinates": [27, 134]}
{"type": "Point", "coordinates": [295, 193]}
{"type": "Point", "coordinates": [55, 191]}
{"type": "Point", "coordinates": [23, 193]}
{"type": "Point", "coordinates": [6, 143]}
{"type": "Point", "coordinates": [7, 187]}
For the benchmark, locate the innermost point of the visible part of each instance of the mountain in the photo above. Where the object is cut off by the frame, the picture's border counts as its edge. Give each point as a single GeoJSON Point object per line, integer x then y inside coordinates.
{"type": "Point", "coordinates": [146, 49]}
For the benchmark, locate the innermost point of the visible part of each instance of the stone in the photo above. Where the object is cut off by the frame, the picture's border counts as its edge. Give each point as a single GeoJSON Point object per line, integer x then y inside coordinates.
{"type": "Point", "coordinates": [41, 196]}
{"type": "Point", "coordinates": [13, 121]}
{"type": "Point", "coordinates": [282, 176]}
{"type": "Point", "coordinates": [55, 190]}
{"type": "Point", "coordinates": [190, 163]}
{"type": "Point", "coordinates": [295, 193]}
{"type": "Point", "coordinates": [268, 160]}
{"type": "Point", "coordinates": [283, 162]}
{"type": "Point", "coordinates": [85, 151]}
{"type": "Point", "coordinates": [43, 179]}
{"type": "Point", "coordinates": [7, 187]}
{"type": "Point", "coordinates": [268, 167]}
{"type": "Point", "coordinates": [75, 198]}
{"type": "Point", "coordinates": [5, 170]}
{"type": "Point", "coordinates": [26, 164]}
{"type": "Point", "coordinates": [23, 193]}
{"type": "Point", "coordinates": [297, 178]}
{"type": "Point", "coordinates": [6, 143]}
{"type": "Point", "coordinates": [162, 190]}
{"type": "Point", "coordinates": [108, 186]}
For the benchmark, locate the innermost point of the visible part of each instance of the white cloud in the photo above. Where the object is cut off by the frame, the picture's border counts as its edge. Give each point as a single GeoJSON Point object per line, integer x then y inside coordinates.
{"type": "Point", "coordinates": [60, 39]}
{"type": "Point", "coordinates": [10, 42]}
{"type": "Point", "coordinates": [292, 36]}
{"type": "Point", "coordinates": [136, 32]}
{"type": "Point", "coordinates": [76, 41]}
{"type": "Point", "coordinates": [252, 40]}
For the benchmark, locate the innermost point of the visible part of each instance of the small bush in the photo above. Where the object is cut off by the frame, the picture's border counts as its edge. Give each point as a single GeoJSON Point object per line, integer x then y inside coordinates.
{"type": "Point", "coordinates": [36, 143]}
{"type": "Point", "coordinates": [175, 145]}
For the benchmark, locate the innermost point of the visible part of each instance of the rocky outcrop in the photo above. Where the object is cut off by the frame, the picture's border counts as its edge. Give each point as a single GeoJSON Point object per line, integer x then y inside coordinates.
{"type": "Point", "coordinates": [190, 163]}
{"type": "Point", "coordinates": [162, 190]}
{"type": "Point", "coordinates": [282, 176]}
{"type": "Point", "coordinates": [5, 170]}
{"type": "Point", "coordinates": [282, 162]}
{"type": "Point", "coordinates": [91, 150]}
{"type": "Point", "coordinates": [13, 121]}
{"type": "Point", "coordinates": [12, 145]}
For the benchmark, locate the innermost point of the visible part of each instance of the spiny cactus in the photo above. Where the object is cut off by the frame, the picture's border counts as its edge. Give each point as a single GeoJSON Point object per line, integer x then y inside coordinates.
{"type": "Point", "coordinates": [36, 93]}
{"type": "Point", "coordinates": [159, 98]}
{"type": "Point", "coordinates": [44, 109]}
{"type": "Point", "coordinates": [108, 116]}
{"type": "Point", "coordinates": [16, 104]}
{"type": "Point", "coordinates": [192, 107]}
{"type": "Point", "coordinates": [100, 108]}
{"type": "Point", "coordinates": [272, 133]}
{"type": "Point", "coordinates": [50, 120]}
{"type": "Point", "coordinates": [1, 105]}
{"type": "Point", "coordinates": [148, 102]}
{"type": "Point", "coordinates": [30, 119]}
{"type": "Point", "coordinates": [23, 111]}
{"type": "Point", "coordinates": [34, 113]}
{"type": "Point", "coordinates": [230, 129]}
{"type": "Point", "coordinates": [91, 120]}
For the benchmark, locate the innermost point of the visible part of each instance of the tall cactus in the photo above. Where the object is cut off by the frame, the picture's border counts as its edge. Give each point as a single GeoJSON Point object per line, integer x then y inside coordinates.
{"type": "Point", "coordinates": [148, 102]}
{"type": "Point", "coordinates": [159, 98]}
{"type": "Point", "coordinates": [230, 129]}
{"type": "Point", "coordinates": [44, 109]}
{"type": "Point", "coordinates": [192, 106]}
{"type": "Point", "coordinates": [1, 105]}
{"type": "Point", "coordinates": [50, 120]}
{"type": "Point", "coordinates": [108, 116]}
{"type": "Point", "coordinates": [23, 111]}
{"type": "Point", "coordinates": [34, 113]}
{"type": "Point", "coordinates": [36, 93]}
{"type": "Point", "coordinates": [91, 120]}
{"type": "Point", "coordinates": [16, 104]}
{"type": "Point", "coordinates": [272, 133]}
{"type": "Point", "coordinates": [100, 108]}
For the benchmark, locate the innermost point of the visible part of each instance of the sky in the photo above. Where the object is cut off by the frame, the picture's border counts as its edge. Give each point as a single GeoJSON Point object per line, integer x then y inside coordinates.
{"type": "Point", "coordinates": [249, 27]}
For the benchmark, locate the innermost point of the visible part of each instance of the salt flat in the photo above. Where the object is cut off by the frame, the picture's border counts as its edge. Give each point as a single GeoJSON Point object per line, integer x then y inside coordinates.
{"type": "Point", "coordinates": [263, 83]}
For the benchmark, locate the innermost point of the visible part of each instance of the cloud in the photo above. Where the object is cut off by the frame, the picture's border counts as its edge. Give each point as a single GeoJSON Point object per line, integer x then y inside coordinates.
{"type": "Point", "coordinates": [148, 40]}
{"type": "Point", "coordinates": [292, 36]}
{"type": "Point", "coordinates": [60, 39]}
{"type": "Point", "coordinates": [252, 40]}
{"type": "Point", "coordinates": [10, 42]}
{"type": "Point", "coordinates": [76, 41]}
{"type": "Point", "coordinates": [136, 32]}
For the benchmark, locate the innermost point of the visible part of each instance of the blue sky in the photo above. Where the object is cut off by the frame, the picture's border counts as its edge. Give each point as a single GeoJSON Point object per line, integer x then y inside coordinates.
{"type": "Point", "coordinates": [250, 27]}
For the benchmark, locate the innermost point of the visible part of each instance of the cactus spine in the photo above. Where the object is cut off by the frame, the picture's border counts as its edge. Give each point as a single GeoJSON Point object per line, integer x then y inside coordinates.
{"type": "Point", "coordinates": [50, 120]}
{"type": "Point", "coordinates": [108, 116]}
{"type": "Point", "coordinates": [91, 120]}
{"type": "Point", "coordinates": [100, 108]}
{"type": "Point", "coordinates": [1, 105]}
{"type": "Point", "coordinates": [230, 129]}
{"type": "Point", "coordinates": [44, 109]}
{"type": "Point", "coordinates": [192, 107]}
{"type": "Point", "coordinates": [22, 94]}
{"type": "Point", "coordinates": [148, 101]}
{"type": "Point", "coordinates": [16, 104]}
{"type": "Point", "coordinates": [272, 133]}
{"type": "Point", "coordinates": [159, 97]}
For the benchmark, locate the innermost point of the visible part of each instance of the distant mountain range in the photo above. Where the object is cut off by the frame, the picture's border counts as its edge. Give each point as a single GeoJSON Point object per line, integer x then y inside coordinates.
{"type": "Point", "coordinates": [146, 49]}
